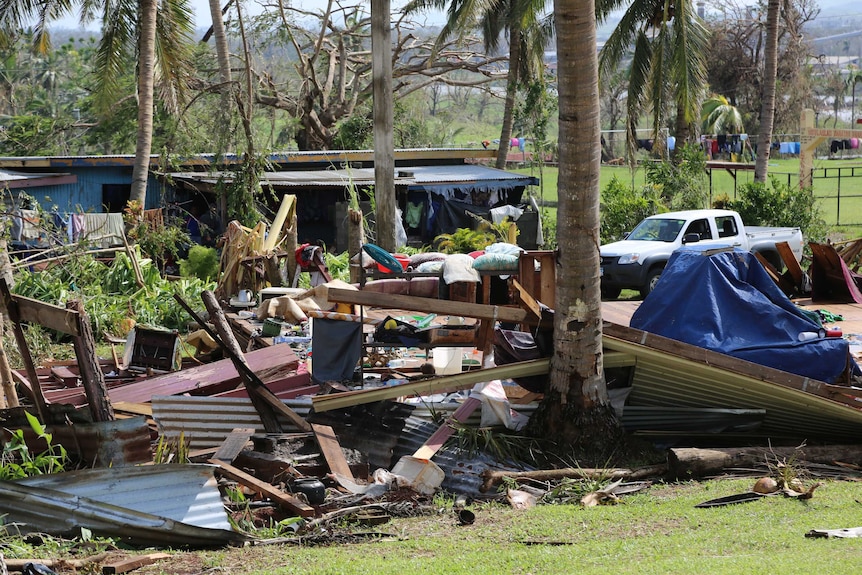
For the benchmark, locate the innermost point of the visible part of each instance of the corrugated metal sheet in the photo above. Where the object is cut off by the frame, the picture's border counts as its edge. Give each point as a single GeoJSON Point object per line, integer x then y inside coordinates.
{"type": "Point", "coordinates": [463, 471]}
{"type": "Point", "coordinates": [325, 157]}
{"type": "Point", "coordinates": [664, 379]}
{"type": "Point", "coordinates": [187, 493]}
{"type": "Point", "coordinates": [411, 176]}
{"type": "Point", "coordinates": [207, 421]}
{"type": "Point", "coordinates": [132, 503]}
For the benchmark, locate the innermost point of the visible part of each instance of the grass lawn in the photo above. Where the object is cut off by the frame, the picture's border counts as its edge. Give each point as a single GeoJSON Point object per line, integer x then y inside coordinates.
{"type": "Point", "coordinates": [658, 531]}
{"type": "Point", "coordinates": [841, 199]}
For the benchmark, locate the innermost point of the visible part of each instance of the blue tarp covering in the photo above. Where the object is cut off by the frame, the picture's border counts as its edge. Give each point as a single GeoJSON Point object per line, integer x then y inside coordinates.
{"type": "Point", "coordinates": [726, 302]}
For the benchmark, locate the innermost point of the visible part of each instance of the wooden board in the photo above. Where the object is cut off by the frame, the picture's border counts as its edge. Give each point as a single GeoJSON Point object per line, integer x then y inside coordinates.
{"type": "Point", "coordinates": [233, 444]}
{"type": "Point", "coordinates": [132, 563]}
{"type": "Point", "coordinates": [428, 305]}
{"type": "Point", "coordinates": [331, 449]}
{"type": "Point", "coordinates": [284, 500]}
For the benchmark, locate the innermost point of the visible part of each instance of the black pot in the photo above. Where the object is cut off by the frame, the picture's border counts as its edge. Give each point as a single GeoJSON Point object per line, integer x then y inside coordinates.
{"type": "Point", "coordinates": [312, 487]}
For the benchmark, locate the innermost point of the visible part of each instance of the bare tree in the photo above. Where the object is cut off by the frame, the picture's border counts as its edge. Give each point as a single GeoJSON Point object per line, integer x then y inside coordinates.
{"type": "Point", "coordinates": [331, 77]}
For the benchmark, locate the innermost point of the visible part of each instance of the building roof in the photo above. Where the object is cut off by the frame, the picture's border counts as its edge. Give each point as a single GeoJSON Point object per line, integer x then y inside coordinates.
{"type": "Point", "coordinates": [11, 179]}
{"type": "Point", "coordinates": [412, 177]}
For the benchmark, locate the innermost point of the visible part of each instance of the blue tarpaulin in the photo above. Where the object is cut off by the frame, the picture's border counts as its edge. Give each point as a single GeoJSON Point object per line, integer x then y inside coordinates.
{"type": "Point", "coordinates": [726, 302]}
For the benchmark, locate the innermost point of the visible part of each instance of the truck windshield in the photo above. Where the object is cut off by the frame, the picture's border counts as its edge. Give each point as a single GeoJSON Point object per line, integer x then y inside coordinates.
{"type": "Point", "coordinates": [657, 230]}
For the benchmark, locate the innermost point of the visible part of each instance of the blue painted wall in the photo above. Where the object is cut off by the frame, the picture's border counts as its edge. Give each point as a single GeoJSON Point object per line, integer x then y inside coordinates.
{"type": "Point", "coordinates": [86, 195]}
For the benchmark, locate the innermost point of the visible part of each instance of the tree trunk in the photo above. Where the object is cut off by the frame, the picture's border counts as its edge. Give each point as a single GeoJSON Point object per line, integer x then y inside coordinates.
{"type": "Point", "coordinates": [384, 144]}
{"type": "Point", "coordinates": [511, 91]}
{"type": "Point", "coordinates": [693, 463]}
{"type": "Point", "coordinates": [576, 410]}
{"type": "Point", "coordinates": [767, 109]}
{"type": "Point", "coordinates": [147, 58]}
{"type": "Point", "coordinates": [225, 78]}
{"type": "Point", "coordinates": [682, 132]}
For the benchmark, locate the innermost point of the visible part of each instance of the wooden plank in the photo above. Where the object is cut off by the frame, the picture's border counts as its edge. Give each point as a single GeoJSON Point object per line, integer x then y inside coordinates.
{"type": "Point", "coordinates": [92, 378]}
{"type": "Point", "coordinates": [526, 299]}
{"type": "Point", "coordinates": [428, 386]}
{"type": "Point", "coordinates": [132, 563]}
{"type": "Point", "coordinates": [433, 444]}
{"type": "Point", "coordinates": [46, 315]}
{"type": "Point", "coordinates": [233, 444]}
{"type": "Point", "coordinates": [331, 449]}
{"type": "Point", "coordinates": [11, 304]}
{"type": "Point", "coordinates": [790, 262]}
{"type": "Point", "coordinates": [428, 305]}
{"type": "Point", "coordinates": [284, 500]}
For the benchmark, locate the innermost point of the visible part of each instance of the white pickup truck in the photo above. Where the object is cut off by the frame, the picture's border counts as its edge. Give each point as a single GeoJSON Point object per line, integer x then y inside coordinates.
{"type": "Point", "coordinates": [637, 261]}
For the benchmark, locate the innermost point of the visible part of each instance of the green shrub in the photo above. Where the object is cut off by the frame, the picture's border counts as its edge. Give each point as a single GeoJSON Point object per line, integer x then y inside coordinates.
{"type": "Point", "coordinates": [682, 182]}
{"type": "Point", "coordinates": [202, 263]}
{"type": "Point", "coordinates": [623, 208]}
{"type": "Point", "coordinates": [779, 204]}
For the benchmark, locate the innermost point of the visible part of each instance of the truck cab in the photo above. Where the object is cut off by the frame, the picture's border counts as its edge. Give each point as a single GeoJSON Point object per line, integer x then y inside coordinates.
{"type": "Point", "coordinates": [636, 262]}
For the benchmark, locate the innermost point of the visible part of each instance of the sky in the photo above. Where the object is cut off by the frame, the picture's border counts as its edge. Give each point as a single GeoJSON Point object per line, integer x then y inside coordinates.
{"type": "Point", "coordinates": [201, 10]}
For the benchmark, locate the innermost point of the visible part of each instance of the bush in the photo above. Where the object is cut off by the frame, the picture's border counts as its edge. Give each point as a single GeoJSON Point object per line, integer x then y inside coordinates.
{"type": "Point", "coordinates": [623, 208]}
{"type": "Point", "coordinates": [681, 183]}
{"type": "Point", "coordinates": [202, 263]}
{"type": "Point", "coordinates": [779, 204]}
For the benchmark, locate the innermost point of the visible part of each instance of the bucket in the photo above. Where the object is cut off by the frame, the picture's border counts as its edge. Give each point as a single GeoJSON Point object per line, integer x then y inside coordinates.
{"type": "Point", "coordinates": [447, 360]}
{"type": "Point", "coordinates": [403, 259]}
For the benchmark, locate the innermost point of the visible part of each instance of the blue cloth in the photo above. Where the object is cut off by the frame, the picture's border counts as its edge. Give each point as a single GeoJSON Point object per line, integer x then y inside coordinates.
{"type": "Point", "coordinates": [671, 143]}
{"type": "Point", "coordinates": [726, 302]}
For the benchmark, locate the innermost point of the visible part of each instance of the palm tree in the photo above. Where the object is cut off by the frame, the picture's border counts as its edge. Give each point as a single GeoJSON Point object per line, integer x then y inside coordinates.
{"type": "Point", "coordinates": [767, 106]}
{"type": "Point", "coordinates": [156, 33]}
{"type": "Point", "coordinates": [576, 410]}
{"type": "Point", "coordinates": [668, 65]}
{"type": "Point", "coordinates": [528, 31]}
{"type": "Point", "coordinates": [719, 116]}
{"type": "Point", "coordinates": [854, 78]}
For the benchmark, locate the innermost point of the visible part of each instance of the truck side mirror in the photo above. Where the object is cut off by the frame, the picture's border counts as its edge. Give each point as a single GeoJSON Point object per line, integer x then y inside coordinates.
{"type": "Point", "coordinates": [690, 238]}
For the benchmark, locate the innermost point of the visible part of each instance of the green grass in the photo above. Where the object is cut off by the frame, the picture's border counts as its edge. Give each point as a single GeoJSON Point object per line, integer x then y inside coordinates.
{"type": "Point", "coordinates": [656, 532]}
{"type": "Point", "coordinates": [849, 192]}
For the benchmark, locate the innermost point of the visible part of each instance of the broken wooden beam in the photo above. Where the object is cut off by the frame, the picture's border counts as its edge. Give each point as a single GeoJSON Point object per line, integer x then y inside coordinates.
{"type": "Point", "coordinates": [92, 378]}
{"type": "Point", "coordinates": [433, 444]}
{"type": "Point", "coordinates": [331, 450]}
{"type": "Point", "coordinates": [429, 305]}
{"type": "Point", "coordinates": [250, 379]}
{"type": "Point", "coordinates": [463, 380]}
{"type": "Point", "coordinates": [132, 563]}
{"type": "Point", "coordinates": [284, 500]}
{"type": "Point", "coordinates": [233, 444]}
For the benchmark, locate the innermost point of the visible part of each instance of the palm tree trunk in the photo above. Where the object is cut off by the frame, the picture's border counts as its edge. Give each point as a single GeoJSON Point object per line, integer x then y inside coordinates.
{"type": "Point", "coordinates": [767, 110]}
{"type": "Point", "coordinates": [147, 59]}
{"type": "Point", "coordinates": [223, 54]}
{"type": "Point", "coordinates": [576, 409]}
{"type": "Point", "coordinates": [511, 91]}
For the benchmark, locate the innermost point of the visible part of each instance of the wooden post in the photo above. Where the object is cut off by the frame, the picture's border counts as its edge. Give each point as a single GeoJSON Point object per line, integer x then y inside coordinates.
{"type": "Point", "coordinates": [9, 397]}
{"type": "Point", "coordinates": [267, 415]}
{"type": "Point", "coordinates": [290, 245]}
{"type": "Point", "coordinates": [24, 350]}
{"type": "Point", "coordinates": [384, 146]}
{"type": "Point", "coordinates": [92, 377]}
{"type": "Point", "coordinates": [355, 239]}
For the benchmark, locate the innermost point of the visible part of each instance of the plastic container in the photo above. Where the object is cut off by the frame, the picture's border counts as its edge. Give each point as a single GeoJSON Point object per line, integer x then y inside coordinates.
{"type": "Point", "coordinates": [447, 360]}
{"type": "Point", "coordinates": [424, 476]}
{"type": "Point", "coordinates": [403, 259]}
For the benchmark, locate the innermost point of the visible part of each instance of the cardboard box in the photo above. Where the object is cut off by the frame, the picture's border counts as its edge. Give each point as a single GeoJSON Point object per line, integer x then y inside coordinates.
{"type": "Point", "coordinates": [465, 334]}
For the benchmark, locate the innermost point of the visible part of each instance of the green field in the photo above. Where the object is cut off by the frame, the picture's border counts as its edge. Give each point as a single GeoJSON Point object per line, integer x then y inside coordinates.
{"type": "Point", "coordinates": [841, 198]}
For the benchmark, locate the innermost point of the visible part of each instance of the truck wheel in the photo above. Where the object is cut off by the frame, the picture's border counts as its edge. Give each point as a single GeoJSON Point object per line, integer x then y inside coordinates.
{"type": "Point", "coordinates": [611, 293]}
{"type": "Point", "coordinates": [651, 280]}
